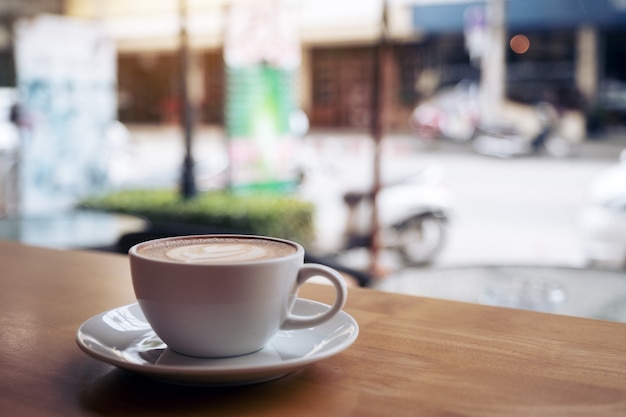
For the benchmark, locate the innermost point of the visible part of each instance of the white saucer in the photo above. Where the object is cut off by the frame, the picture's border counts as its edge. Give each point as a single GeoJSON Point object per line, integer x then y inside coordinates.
{"type": "Point", "coordinates": [123, 337]}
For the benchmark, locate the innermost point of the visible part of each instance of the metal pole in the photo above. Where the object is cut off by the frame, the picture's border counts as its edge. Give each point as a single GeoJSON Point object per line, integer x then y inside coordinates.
{"type": "Point", "coordinates": [493, 64]}
{"type": "Point", "coordinates": [381, 58]}
{"type": "Point", "coordinates": [188, 183]}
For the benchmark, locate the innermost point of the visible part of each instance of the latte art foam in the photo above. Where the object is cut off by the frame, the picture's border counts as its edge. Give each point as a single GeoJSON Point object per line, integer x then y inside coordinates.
{"type": "Point", "coordinates": [218, 253]}
{"type": "Point", "coordinates": [216, 250]}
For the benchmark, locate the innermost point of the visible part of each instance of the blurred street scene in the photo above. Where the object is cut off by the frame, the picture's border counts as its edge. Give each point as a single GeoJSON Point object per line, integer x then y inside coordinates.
{"type": "Point", "coordinates": [487, 132]}
{"type": "Point", "coordinates": [503, 211]}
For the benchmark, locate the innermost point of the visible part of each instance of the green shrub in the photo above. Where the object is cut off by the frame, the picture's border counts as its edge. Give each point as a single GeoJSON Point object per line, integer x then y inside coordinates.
{"type": "Point", "coordinates": [263, 213]}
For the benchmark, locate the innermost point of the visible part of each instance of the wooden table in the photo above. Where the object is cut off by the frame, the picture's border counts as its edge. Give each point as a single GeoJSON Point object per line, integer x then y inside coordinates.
{"type": "Point", "coordinates": [414, 356]}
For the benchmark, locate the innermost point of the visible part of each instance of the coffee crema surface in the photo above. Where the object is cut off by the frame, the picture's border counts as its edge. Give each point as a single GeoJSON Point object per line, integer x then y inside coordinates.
{"type": "Point", "coordinates": [216, 250]}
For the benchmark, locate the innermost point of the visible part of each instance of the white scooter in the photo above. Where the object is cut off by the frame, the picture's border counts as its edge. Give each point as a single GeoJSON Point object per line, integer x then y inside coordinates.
{"type": "Point", "coordinates": [412, 214]}
{"type": "Point", "coordinates": [602, 218]}
{"type": "Point", "coordinates": [507, 142]}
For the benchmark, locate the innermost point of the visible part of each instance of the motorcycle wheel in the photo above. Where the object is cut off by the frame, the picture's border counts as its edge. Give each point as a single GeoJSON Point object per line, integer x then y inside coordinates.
{"type": "Point", "coordinates": [421, 238]}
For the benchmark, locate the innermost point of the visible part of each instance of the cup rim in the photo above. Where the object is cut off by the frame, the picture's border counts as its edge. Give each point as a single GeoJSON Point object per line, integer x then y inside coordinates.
{"type": "Point", "coordinates": [133, 251]}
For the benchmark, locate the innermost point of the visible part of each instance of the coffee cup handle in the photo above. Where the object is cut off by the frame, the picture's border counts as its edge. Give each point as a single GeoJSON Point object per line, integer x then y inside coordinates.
{"type": "Point", "coordinates": [307, 271]}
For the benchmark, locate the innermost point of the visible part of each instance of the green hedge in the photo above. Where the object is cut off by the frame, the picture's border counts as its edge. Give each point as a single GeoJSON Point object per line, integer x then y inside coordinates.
{"type": "Point", "coordinates": [263, 213]}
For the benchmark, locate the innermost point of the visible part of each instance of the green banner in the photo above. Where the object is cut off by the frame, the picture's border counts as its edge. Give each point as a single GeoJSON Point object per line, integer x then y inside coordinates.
{"type": "Point", "coordinates": [259, 100]}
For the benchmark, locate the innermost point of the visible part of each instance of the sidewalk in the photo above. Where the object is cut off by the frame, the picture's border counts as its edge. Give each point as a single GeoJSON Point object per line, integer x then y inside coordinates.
{"type": "Point", "coordinates": [598, 145]}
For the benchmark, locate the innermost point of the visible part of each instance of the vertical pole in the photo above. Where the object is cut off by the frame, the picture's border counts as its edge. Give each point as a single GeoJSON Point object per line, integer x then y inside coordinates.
{"type": "Point", "coordinates": [188, 184]}
{"type": "Point", "coordinates": [381, 56]}
{"type": "Point", "coordinates": [493, 63]}
{"type": "Point", "coordinates": [587, 62]}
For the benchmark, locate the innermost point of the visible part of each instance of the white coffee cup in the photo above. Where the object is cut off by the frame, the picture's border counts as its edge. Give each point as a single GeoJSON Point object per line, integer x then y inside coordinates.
{"type": "Point", "coordinates": [224, 295]}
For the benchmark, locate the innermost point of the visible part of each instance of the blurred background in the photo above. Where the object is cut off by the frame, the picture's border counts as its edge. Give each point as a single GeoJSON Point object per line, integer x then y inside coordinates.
{"type": "Point", "coordinates": [489, 133]}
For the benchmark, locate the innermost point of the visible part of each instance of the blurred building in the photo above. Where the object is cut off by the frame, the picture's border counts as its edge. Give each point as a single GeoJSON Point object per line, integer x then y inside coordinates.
{"type": "Point", "coordinates": [11, 11]}
{"type": "Point", "coordinates": [572, 53]}
{"type": "Point", "coordinates": [575, 55]}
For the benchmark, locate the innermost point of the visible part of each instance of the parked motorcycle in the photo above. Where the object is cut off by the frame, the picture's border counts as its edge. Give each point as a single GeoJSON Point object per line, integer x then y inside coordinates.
{"type": "Point", "coordinates": [413, 216]}
{"type": "Point", "coordinates": [451, 114]}
{"type": "Point", "coordinates": [520, 129]}
{"type": "Point", "coordinates": [506, 141]}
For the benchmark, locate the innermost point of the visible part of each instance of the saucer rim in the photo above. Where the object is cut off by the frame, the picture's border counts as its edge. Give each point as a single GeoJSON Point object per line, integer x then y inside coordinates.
{"type": "Point", "coordinates": [183, 373]}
